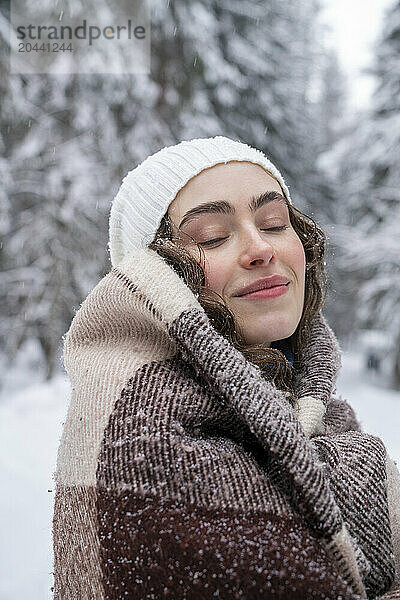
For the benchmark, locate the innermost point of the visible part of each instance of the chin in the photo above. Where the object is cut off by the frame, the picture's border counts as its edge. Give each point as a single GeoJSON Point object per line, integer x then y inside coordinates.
{"type": "Point", "coordinates": [262, 334]}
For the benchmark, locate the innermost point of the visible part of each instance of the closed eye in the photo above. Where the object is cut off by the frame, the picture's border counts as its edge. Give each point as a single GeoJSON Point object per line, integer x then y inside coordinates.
{"type": "Point", "coordinates": [280, 228]}
{"type": "Point", "coordinates": [210, 242]}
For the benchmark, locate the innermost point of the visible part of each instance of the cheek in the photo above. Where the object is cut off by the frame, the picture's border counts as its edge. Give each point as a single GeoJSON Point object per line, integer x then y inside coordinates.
{"type": "Point", "coordinates": [297, 259]}
{"type": "Point", "coordinates": [216, 274]}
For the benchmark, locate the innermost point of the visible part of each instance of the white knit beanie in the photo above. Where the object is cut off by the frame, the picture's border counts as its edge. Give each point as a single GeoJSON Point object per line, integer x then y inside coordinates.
{"type": "Point", "coordinates": [147, 191]}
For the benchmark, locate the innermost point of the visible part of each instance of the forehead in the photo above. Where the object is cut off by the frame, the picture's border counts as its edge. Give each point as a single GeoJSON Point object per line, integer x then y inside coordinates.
{"type": "Point", "coordinates": [235, 182]}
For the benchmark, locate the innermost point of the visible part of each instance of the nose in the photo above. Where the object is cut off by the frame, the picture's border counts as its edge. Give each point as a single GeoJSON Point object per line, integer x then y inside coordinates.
{"type": "Point", "coordinates": [256, 250]}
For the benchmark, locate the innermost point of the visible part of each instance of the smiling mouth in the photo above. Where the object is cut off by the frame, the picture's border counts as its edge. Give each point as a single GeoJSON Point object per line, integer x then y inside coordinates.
{"type": "Point", "coordinates": [271, 292]}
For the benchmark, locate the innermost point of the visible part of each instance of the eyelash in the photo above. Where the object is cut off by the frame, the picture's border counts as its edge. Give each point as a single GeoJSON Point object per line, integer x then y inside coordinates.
{"type": "Point", "coordinates": [209, 242]}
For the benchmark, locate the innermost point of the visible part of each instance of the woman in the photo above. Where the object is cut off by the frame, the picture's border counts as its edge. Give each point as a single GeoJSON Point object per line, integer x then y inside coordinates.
{"type": "Point", "coordinates": [204, 452]}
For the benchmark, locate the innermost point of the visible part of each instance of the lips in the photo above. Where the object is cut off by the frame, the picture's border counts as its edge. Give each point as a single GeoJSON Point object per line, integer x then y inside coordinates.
{"type": "Point", "coordinates": [262, 284]}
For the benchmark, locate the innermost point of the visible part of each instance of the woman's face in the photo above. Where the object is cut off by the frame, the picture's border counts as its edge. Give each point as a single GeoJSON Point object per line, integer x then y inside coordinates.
{"type": "Point", "coordinates": [243, 244]}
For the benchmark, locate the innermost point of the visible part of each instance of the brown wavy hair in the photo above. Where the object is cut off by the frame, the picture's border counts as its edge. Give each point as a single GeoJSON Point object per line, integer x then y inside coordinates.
{"type": "Point", "coordinates": [271, 361]}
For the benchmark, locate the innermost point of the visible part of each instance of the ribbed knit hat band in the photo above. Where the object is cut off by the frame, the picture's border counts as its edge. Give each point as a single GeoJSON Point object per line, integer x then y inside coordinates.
{"type": "Point", "coordinates": [147, 191]}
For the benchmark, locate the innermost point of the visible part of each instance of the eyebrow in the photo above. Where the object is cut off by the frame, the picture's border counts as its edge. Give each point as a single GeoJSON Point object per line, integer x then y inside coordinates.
{"type": "Point", "coordinates": [224, 207]}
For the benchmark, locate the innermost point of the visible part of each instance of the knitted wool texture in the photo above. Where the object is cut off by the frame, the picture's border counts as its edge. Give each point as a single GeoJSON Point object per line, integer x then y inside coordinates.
{"type": "Point", "coordinates": [183, 473]}
{"type": "Point", "coordinates": [147, 191]}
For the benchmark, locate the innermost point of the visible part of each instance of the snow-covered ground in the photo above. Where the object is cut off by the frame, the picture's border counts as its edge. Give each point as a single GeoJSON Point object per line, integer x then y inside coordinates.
{"type": "Point", "coordinates": [30, 427]}
{"type": "Point", "coordinates": [376, 405]}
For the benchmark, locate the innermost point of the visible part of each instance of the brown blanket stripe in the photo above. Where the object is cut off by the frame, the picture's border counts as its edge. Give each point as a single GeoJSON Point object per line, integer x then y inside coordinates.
{"type": "Point", "coordinates": [182, 473]}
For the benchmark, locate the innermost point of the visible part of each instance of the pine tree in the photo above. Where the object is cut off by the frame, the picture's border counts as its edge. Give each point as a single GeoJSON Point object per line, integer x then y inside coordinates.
{"type": "Point", "coordinates": [332, 102]}
{"type": "Point", "coordinates": [369, 235]}
{"type": "Point", "coordinates": [335, 122]}
{"type": "Point", "coordinates": [67, 141]}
